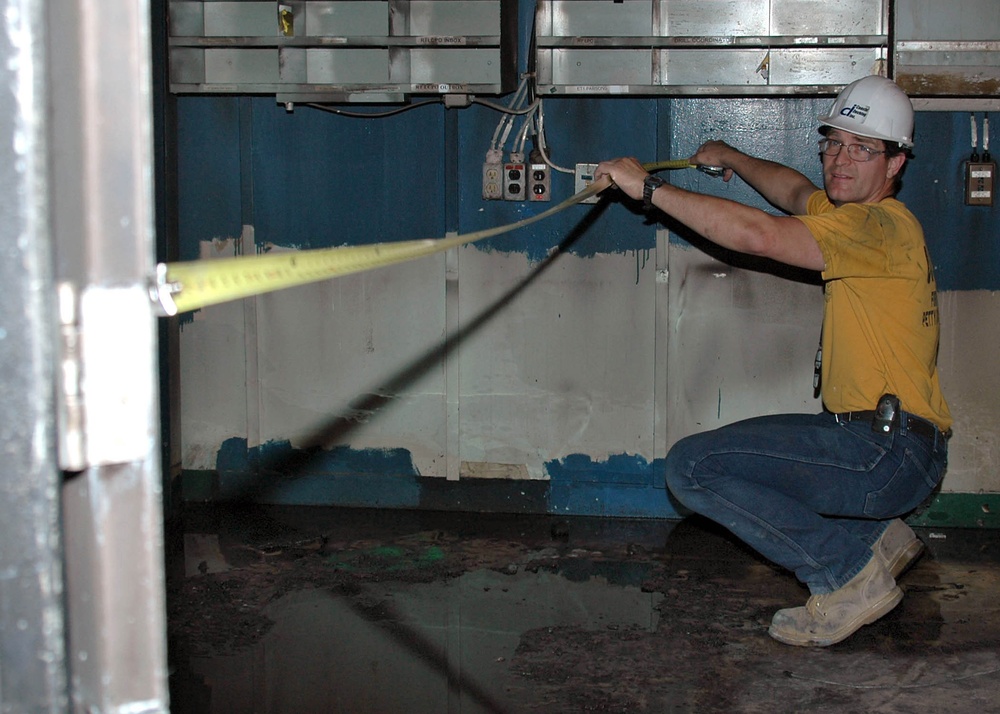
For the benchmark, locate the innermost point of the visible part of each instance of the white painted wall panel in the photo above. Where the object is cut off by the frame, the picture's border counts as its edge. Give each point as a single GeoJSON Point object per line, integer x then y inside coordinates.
{"type": "Point", "coordinates": [344, 357]}
{"type": "Point", "coordinates": [566, 368]}
{"type": "Point", "coordinates": [213, 369]}
{"type": "Point", "coordinates": [742, 343]}
{"type": "Point", "coordinates": [568, 365]}
{"type": "Point", "coordinates": [970, 378]}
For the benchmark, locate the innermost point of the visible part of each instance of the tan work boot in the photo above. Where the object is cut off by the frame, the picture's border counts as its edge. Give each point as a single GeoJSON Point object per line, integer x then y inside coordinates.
{"type": "Point", "coordinates": [898, 548]}
{"type": "Point", "coordinates": [832, 617]}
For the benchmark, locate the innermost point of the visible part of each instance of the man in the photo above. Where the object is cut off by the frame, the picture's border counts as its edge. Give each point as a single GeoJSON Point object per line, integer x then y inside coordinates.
{"type": "Point", "coordinates": [822, 494]}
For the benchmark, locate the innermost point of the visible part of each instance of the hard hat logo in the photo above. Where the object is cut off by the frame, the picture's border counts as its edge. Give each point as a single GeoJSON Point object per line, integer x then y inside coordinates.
{"type": "Point", "coordinates": [873, 107]}
{"type": "Point", "coordinates": [855, 111]}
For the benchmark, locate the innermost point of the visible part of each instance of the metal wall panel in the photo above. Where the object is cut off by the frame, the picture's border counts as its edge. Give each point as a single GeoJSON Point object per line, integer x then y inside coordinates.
{"type": "Point", "coordinates": [360, 66]}
{"type": "Point", "coordinates": [345, 19]}
{"type": "Point", "coordinates": [714, 18]}
{"type": "Point", "coordinates": [458, 18]}
{"type": "Point", "coordinates": [828, 18]}
{"type": "Point", "coordinates": [603, 67]}
{"type": "Point", "coordinates": [580, 18]}
{"type": "Point", "coordinates": [240, 19]}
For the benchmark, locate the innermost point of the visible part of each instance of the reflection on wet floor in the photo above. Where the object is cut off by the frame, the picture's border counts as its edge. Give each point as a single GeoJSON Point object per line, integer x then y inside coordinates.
{"type": "Point", "coordinates": [332, 610]}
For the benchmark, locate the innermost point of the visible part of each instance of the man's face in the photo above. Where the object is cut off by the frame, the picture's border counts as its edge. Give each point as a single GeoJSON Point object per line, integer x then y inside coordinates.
{"type": "Point", "coordinates": [850, 181]}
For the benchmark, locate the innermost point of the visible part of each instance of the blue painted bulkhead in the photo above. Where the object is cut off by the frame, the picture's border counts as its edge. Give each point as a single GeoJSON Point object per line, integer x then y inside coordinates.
{"type": "Point", "coordinates": [311, 179]}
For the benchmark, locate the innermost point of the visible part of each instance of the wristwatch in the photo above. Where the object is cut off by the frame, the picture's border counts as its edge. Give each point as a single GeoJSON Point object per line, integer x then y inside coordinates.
{"type": "Point", "coordinates": [648, 186]}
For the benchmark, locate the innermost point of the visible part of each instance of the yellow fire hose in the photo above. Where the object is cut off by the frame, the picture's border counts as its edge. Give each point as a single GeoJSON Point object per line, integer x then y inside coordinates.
{"type": "Point", "coordinates": [191, 285]}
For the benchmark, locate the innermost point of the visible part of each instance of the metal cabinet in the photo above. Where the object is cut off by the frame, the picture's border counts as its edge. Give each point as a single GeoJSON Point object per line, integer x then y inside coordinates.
{"type": "Point", "coordinates": [944, 50]}
{"type": "Point", "coordinates": [707, 47]}
{"type": "Point", "coordinates": [343, 50]}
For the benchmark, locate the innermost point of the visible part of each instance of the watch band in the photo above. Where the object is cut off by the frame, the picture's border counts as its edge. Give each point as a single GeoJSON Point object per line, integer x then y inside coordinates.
{"type": "Point", "coordinates": [650, 184]}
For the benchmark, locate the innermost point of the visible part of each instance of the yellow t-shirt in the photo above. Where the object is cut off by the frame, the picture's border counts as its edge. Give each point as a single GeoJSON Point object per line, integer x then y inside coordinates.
{"type": "Point", "coordinates": [880, 324]}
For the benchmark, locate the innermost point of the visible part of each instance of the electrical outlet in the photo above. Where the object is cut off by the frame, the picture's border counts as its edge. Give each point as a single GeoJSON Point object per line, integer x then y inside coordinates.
{"type": "Point", "coordinates": [539, 188]}
{"type": "Point", "coordinates": [514, 178]}
{"type": "Point", "coordinates": [493, 175]}
{"type": "Point", "coordinates": [585, 177]}
{"type": "Point", "coordinates": [979, 180]}
{"type": "Point", "coordinates": [492, 181]}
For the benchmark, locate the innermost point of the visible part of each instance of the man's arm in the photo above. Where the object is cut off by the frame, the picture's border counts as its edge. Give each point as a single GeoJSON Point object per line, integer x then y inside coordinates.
{"type": "Point", "coordinates": [782, 186]}
{"type": "Point", "coordinates": [727, 223]}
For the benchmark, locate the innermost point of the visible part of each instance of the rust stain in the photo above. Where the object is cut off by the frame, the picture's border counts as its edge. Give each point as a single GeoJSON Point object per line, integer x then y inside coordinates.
{"type": "Point", "coordinates": [948, 84]}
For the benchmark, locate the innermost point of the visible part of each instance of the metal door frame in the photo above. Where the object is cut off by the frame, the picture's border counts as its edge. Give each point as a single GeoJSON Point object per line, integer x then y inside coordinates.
{"type": "Point", "coordinates": [83, 625]}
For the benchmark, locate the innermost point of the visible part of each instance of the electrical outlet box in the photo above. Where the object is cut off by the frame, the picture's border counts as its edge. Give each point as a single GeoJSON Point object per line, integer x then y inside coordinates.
{"type": "Point", "coordinates": [979, 181]}
{"type": "Point", "coordinates": [585, 177]}
{"type": "Point", "coordinates": [539, 182]}
{"type": "Point", "coordinates": [514, 182]}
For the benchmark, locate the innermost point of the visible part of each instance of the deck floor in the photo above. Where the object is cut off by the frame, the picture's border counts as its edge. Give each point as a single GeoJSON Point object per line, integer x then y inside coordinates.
{"type": "Point", "coordinates": [302, 610]}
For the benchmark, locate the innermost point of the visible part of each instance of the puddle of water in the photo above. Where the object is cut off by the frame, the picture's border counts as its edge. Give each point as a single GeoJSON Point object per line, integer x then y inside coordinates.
{"type": "Point", "coordinates": [437, 647]}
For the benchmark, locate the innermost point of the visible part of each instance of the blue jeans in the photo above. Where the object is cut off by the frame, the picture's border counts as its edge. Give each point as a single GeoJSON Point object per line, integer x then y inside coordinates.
{"type": "Point", "coordinates": [807, 491]}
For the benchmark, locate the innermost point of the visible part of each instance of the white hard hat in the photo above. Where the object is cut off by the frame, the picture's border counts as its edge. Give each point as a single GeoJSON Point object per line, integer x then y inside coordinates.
{"type": "Point", "coordinates": [874, 107]}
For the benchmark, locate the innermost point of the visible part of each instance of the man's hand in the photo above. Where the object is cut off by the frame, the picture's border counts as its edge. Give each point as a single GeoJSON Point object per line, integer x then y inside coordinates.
{"type": "Point", "coordinates": [715, 153]}
{"type": "Point", "coordinates": [626, 173]}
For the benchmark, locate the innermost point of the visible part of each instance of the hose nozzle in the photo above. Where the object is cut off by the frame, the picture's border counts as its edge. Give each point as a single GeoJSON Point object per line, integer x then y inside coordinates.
{"type": "Point", "coordinates": [712, 170]}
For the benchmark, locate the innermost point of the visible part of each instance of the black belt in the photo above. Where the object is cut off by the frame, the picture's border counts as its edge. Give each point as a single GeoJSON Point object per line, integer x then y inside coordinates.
{"type": "Point", "coordinates": [913, 423]}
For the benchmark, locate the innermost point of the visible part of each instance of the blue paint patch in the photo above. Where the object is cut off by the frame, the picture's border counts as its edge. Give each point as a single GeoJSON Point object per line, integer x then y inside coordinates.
{"type": "Point", "coordinates": [619, 468]}
{"type": "Point", "coordinates": [277, 473]}
{"type": "Point", "coordinates": [612, 500]}
{"type": "Point", "coordinates": [235, 456]}
{"type": "Point", "coordinates": [338, 460]}
{"type": "Point", "coordinates": [624, 486]}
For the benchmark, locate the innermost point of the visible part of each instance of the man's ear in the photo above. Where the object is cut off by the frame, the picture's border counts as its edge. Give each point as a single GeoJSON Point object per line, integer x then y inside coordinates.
{"type": "Point", "coordinates": [895, 165]}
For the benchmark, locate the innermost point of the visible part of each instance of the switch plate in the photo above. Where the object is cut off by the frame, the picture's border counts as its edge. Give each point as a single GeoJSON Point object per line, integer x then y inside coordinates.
{"type": "Point", "coordinates": [979, 183]}
{"type": "Point", "coordinates": [585, 177]}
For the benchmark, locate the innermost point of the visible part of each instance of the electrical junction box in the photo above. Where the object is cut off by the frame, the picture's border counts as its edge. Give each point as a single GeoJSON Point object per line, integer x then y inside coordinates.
{"type": "Point", "coordinates": [539, 182]}
{"type": "Point", "coordinates": [979, 180]}
{"type": "Point", "coordinates": [514, 179]}
{"type": "Point", "coordinates": [585, 177]}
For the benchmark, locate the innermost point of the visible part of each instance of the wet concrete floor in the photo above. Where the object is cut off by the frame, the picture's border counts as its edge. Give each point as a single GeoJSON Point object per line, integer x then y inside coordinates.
{"type": "Point", "coordinates": [302, 610]}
